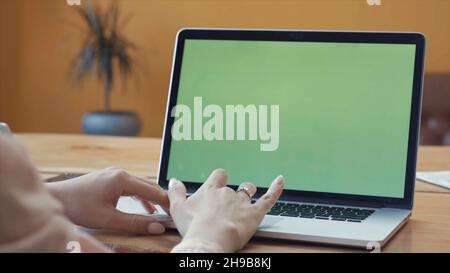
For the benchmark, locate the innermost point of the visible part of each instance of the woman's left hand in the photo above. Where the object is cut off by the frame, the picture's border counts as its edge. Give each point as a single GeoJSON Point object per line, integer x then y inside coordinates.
{"type": "Point", "coordinates": [216, 218]}
{"type": "Point", "coordinates": [91, 201]}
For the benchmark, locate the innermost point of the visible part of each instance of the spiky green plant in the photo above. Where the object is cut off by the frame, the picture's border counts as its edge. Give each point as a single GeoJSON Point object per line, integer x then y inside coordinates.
{"type": "Point", "coordinates": [103, 45]}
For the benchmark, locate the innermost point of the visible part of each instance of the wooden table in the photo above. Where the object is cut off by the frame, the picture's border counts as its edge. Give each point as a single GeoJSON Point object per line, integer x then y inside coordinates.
{"type": "Point", "coordinates": [427, 231]}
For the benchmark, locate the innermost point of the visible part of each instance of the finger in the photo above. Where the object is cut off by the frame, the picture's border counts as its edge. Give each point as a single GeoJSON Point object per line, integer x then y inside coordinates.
{"type": "Point", "coordinates": [247, 192]}
{"type": "Point", "coordinates": [146, 181]}
{"type": "Point", "coordinates": [146, 191]}
{"type": "Point", "coordinates": [134, 223]}
{"type": "Point", "coordinates": [148, 206]}
{"type": "Point", "coordinates": [166, 210]}
{"type": "Point", "coordinates": [177, 193]}
{"type": "Point", "coordinates": [266, 202]}
{"type": "Point", "coordinates": [217, 179]}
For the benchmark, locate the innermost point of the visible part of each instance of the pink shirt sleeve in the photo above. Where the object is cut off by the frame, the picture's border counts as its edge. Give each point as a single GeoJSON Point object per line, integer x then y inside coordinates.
{"type": "Point", "coordinates": [31, 220]}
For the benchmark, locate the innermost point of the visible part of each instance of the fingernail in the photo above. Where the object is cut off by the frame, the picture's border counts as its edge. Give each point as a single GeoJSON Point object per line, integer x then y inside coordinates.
{"type": "Point", "coordinates": [172, 183]}
{"type": "Point", "coordinates": [280, 180]}
{"type": "Point", "coordinates": [155, 228]}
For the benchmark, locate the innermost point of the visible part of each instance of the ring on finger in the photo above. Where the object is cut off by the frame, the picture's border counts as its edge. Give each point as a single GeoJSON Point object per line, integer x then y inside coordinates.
{"type": "Point", "coordinates": [245, 190]}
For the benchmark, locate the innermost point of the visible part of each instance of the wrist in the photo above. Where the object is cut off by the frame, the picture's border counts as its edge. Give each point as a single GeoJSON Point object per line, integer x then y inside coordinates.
{"type": "Point", "coordinates": [218, 233]}
{"type": "Point", "coordinates": [54, 189]}
{"type": "Point", "coordinates": [195, 245]}
{"type": "Point", "coordinates": [58, 190]}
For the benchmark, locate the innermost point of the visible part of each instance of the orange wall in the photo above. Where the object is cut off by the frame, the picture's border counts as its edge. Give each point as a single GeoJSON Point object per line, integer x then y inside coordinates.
{"type": "Point", "coordinates": [38, 40]}
{"type": "Point", "coordinates": [8, 59]}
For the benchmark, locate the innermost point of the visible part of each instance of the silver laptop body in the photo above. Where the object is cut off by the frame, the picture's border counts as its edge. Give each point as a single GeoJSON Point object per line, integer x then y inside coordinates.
{"type": "Point", "coordinates": [339, 219]}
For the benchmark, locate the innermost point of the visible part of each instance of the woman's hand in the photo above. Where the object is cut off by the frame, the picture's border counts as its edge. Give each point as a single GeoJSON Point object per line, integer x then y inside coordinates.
{"type": "Point", "coordinates": [91, 201]}
{"type": "Point", "coordinates": [216, 218]}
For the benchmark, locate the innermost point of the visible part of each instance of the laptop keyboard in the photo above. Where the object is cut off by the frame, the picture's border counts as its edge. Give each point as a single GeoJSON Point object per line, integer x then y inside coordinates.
{"type": "Point", "coordinates": [320, 212]}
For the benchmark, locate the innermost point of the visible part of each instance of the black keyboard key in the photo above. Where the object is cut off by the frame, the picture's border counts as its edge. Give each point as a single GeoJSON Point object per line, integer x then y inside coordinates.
{"type": "Point", "coordinates": [368, 211]}
{"type": "Point", "coordinates": [274, 213]}
{"type": "Point", "coordinates": [337, 214]}
{"type": "Point", "coordinates": [289, 214]}
{"type": "Point", "coordinates": [348, 215]}
{"type": "Point", "coordinates": [323, 215]}
{"type": "Point", "coordinates": [307, 213]}
{"type": "Point", "coordinates": [356, 217]}
{"type": "Point", "coordinates": [338, 219]}
{"type": "Point", "coordinates": [322, 218]}
{"type": "Point", "coordinates": [354, 221]}
{"type": "Point", "coordinates": [291, 211]}
{"type": "Point", "coordinates": [307, 216]}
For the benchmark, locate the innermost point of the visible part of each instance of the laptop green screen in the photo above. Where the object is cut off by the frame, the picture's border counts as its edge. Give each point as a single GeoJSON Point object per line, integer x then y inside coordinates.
{"type": "Point", "coordinates": [330, 117]}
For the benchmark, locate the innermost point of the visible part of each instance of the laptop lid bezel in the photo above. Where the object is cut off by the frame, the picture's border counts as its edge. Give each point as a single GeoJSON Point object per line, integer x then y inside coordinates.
{"type": "Point", "coordinates": [416, 39]}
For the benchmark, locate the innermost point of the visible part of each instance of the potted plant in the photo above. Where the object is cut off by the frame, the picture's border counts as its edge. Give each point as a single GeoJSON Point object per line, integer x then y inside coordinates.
{"type": "Point", "coordinates": [107, 53]}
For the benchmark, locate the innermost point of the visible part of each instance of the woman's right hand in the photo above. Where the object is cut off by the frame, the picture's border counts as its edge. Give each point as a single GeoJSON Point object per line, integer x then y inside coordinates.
{"type": "Point", "coordinates": [216, 218]}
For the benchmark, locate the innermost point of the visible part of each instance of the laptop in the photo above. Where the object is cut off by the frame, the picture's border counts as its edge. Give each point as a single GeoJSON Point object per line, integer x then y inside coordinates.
{"type": "Point", "coordinates": [337, 115]}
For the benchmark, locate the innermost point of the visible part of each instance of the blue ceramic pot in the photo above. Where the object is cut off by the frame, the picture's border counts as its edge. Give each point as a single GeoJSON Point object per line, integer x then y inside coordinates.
{"type": "Point", "coordinates": [115, 123]}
